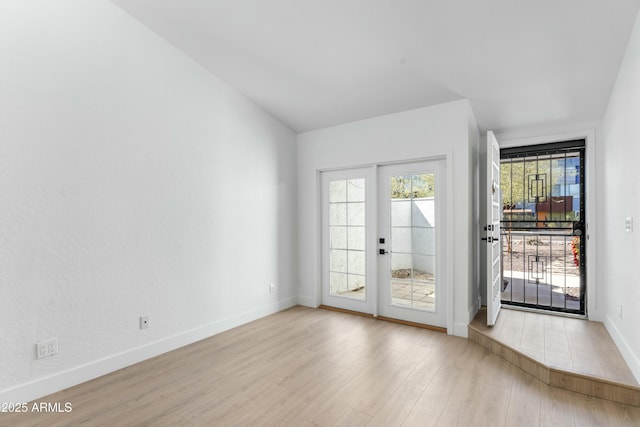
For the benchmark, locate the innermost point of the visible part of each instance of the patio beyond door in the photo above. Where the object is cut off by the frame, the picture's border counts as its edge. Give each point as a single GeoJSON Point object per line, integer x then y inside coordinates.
{"type": "Point", "coordinates": [383, 234]}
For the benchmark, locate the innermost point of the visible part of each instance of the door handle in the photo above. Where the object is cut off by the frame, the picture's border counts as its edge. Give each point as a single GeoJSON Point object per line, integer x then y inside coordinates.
{"type": "Point", "coordinates": [382, 252]}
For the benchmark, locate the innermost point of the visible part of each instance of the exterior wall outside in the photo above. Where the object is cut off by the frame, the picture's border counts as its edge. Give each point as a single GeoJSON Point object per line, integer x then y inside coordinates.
{"type": "Point", "coordinates": [423, 215]}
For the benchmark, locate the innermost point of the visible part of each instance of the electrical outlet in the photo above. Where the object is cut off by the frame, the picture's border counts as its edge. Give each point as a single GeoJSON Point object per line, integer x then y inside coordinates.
{"type": "Point", "coordinates": [144, 322]}
{"type": "Point", "coordinates": [272, 287]}
{"type": "Point", "coordinates": [47, 348]}
{"type": "Point", "coordinates": [628, 224]}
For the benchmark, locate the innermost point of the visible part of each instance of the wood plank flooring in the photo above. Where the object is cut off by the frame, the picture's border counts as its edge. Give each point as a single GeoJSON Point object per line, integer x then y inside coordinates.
{"type": "Point", "coordinates": [313, 367]}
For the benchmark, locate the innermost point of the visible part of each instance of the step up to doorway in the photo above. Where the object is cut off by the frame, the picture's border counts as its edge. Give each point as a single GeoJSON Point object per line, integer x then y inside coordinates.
{"type": "Point", "coordinates": [621, 387]}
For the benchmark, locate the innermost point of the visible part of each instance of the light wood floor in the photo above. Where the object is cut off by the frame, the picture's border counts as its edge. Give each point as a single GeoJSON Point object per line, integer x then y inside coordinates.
{"type": "Point", "coordinates": [566, 343]}
{"type": "Point", "coordinates": [305, 367]}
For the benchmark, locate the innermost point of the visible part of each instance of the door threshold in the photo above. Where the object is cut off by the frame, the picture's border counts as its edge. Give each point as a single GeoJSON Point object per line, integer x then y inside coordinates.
{"type": "Point", "coordinates": [344, 310]}
{"type": "Point", "coordinates": [541, 311]}
{"type": "Point", "coordinates": [386, 319]}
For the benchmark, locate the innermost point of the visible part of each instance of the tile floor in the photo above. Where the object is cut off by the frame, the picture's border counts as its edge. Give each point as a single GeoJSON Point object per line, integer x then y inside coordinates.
{"type": "Point", "coordinates": [571, 344]}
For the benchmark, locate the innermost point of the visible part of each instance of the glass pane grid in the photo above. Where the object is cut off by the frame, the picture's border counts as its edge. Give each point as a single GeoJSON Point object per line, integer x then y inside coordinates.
{"type": "Point", "coordinates": [413, 222]}
{"type": "Point", "coordinates": [347, 257]}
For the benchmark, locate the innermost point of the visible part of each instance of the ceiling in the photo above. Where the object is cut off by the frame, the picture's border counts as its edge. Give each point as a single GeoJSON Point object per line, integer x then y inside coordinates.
{"type": "Point", "coordinates": [318, 63]}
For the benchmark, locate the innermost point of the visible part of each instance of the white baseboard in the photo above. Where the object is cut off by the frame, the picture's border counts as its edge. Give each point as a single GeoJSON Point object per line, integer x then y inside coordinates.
{"type": "Point", "coordinates": [307, 302]}
{"type": "Point", "coordinates": [632, 359]}
{"type": "Point", "coordinates": [461, 330]}
{"type": "Point", "coordinates": [59, 381]}
{"type": "Point", "coordinates": [474, 310]}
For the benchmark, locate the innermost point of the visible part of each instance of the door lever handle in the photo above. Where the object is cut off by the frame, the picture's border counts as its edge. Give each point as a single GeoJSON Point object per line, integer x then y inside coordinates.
{"type": "Point", "coordinates": [382, 252]}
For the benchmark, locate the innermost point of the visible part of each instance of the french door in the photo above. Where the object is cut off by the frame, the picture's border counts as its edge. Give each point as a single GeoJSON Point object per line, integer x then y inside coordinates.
{"type": "Point", "coordinates": [348, 222]}
{"type": "Point", "coordinates": [384, 241]}
{"type": "Point", "coordinates": [411, 261]}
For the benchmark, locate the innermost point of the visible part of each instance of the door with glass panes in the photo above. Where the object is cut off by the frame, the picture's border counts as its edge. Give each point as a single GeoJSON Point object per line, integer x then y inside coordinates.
{"type": "Point", "coordinates": [347, 224]}
{"type": "Point", "coordinates": [384, 241]}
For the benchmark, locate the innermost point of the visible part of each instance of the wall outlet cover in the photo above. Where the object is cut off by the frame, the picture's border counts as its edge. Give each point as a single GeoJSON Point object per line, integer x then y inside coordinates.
{"type": "Point", "coordinates": [47, 348]}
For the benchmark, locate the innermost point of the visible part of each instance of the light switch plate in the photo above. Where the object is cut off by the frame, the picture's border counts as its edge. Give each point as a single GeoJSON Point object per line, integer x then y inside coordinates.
{"type": "Point", "coordinates": [628, 224]}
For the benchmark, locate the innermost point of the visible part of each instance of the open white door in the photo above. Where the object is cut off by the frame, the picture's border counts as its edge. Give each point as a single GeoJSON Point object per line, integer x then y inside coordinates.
{"type": "Point", "coordinates": [494, 214]}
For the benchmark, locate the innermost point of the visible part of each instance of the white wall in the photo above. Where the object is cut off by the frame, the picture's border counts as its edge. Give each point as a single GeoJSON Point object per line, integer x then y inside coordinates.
{"type": "Point", "coordinates": [442, 130]}
{"type": "Point", "coordinates": [621, 199]}
{"type": "Point", "coordinates": [126, 173]}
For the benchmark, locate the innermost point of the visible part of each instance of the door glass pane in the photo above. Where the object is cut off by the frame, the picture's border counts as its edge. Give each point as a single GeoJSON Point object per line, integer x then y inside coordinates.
{"type": "Point", "coordinates": [355, 238]}
{"type": "Point", "coordinates": [355, 190]}
{"type": "Point", "coordinates": [338, 261]}
{"type": "Point", "coordinates": [356, 213]}
{"type": "Point", "coordinates": [401, 240]}
{"type": "Point", "coordinates": [338, 191]}
{"type": "Point", "coordinates": [355, 262]}
{"type": "Point", "coordinates": [338, 283]}
{"type": "Point", "coordinates": [413, 222]}
{"type": "Point", "coordinates": [338, 237]}
{"type": "Point", "coordinates": [424, 238]}
{"type": "Point", "coordinates": [401, 213]}
{"type": "Point", "coordinates": [338, 214]}
{"type": "Point", "coordinates": [347, 242]}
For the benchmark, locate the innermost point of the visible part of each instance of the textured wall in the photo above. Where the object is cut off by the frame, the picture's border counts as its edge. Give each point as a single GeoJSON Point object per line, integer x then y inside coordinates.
{"type": "Point", "coordinates": [126, 171]}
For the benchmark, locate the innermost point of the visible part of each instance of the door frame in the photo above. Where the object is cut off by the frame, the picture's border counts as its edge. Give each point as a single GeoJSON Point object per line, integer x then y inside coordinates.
{"type": "Point", "coordinates": [449, 203]}
{"type": "Point", "coordinates": [594, 293]}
